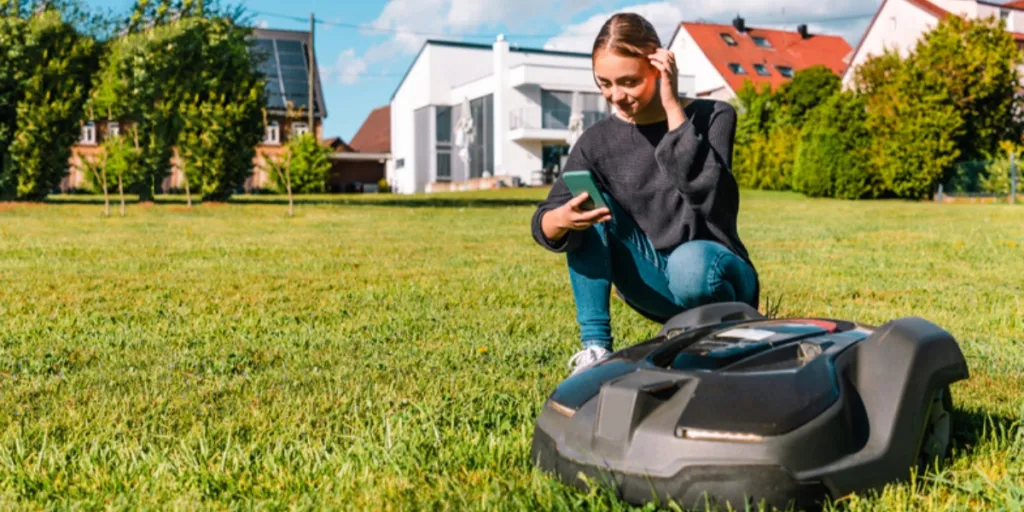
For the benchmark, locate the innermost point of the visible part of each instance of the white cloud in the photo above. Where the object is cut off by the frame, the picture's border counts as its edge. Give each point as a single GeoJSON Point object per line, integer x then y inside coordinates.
{"type": "Point", "coordinates": [264, 24]}
{"type": "Point", "coordinates": [580, 37]}
{"type": "Point", "coordinates": [468, 14]}
{"type": "Point", "coordinates": [348, 68]}
{"type": "Point", "coordinates": [408, 23]}
{"type": "Point", "coordinates": [782, 14]}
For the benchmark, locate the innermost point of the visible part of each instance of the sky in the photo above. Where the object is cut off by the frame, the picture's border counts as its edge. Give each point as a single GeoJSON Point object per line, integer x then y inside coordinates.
{"type": "Point", "coordinates": [364, 47]}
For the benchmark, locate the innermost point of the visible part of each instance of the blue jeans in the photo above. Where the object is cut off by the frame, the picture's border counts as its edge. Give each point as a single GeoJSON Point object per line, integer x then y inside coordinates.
{"type": "Point", "coordinates": [663, 283]}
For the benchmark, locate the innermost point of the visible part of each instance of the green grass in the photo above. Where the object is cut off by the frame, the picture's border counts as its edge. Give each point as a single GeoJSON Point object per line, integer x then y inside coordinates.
{"type": "Point", "coordinates": [375, 352]}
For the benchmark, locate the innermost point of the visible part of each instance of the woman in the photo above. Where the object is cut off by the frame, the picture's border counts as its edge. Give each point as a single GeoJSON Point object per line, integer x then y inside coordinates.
{"type": "Point", "coordinates": [668, 240]}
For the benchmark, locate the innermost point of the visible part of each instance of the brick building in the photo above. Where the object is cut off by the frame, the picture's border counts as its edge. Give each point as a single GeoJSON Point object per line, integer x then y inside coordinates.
{"type": "Point", "coordinates": [287, 68]}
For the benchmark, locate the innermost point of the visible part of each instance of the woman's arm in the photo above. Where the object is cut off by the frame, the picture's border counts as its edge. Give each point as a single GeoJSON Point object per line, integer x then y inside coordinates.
{"type": "Point", "coordinates": [698, 151]}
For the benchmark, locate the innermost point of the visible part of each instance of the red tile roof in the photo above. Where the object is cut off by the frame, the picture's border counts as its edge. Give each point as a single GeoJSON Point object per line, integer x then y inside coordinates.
{"type": "Point", "coordinates": [374, 136]}
{"type": "Point", "coordinates": [788, 49]}
{"type": "Point", "coordinates": [929, 7]}
{"type": "Point", "coordinates": [1019, 4]}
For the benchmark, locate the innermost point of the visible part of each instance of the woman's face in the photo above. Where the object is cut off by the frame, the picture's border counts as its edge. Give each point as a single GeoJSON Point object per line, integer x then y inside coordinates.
{"type": "Point", "coordinates": [628, 83]}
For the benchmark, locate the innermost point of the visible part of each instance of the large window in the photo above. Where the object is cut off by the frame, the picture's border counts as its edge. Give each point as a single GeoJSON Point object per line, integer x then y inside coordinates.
{"type": "Point", "coordinates": [481, 153]}
{"type": "Point", "coordinates": [444, 165]}
{"type": "Point", "coordinates": [443, 143]}
{"type": "Point", "coordinates": [556, 107]}
{"type": "Point", "coordinates": [444, 124]}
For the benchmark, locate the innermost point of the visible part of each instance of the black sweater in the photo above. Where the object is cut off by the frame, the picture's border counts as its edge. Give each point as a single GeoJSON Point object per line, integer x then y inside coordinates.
{"type": "Point", "coordinates": [678, 186]}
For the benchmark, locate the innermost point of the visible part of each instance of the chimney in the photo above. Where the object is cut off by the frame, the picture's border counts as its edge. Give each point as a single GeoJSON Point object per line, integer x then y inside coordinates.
{"type": "Point", "coordinates": [802, 29]}
{"type": "Point", "coordinates": [740, 25]}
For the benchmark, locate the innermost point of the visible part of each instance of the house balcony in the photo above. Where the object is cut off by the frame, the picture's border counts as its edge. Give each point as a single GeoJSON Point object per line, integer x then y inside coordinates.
{"type": "Point", "coordinates": [546, 126]}
{"type": "Point", "coordinates": [578, 78]}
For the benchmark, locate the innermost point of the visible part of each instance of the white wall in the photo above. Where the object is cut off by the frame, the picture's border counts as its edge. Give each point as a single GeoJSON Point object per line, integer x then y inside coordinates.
{"type": "Point", "coordinates": [408, 98]}
{"type": "Point", "coordinates": [429, 82]}
{"type": "Point", "coordinates": [691, 60]}
{"type": "Point", "coordinates": [899, 26]}
{"type": "Point", "coordinates": [966, 8]}
{"type": "Point", "coordinates": [1014, 19]}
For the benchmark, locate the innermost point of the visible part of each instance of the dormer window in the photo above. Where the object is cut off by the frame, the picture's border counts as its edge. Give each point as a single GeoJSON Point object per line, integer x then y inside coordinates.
{"type": "Point", "coordinates": [729, 40]}
{"type": "Point", "coordinates": [272, 134]}
{"type": "Point", "coordinates": [785, 71]}
{"type": "Point", "coordinates": [88, 136]}
{"type": "Point", "coordinates": [762, 42]}
{"type": "Point", "coordinates": [737, 68]}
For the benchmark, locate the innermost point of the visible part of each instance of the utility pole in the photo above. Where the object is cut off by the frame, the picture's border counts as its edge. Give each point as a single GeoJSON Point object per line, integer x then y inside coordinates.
{"type": "Point", "coordinates": [312, 68]}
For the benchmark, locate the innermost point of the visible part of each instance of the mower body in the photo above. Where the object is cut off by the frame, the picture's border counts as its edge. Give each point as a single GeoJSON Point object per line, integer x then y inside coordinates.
{"type": "Point", "coordinates": [728, 408]}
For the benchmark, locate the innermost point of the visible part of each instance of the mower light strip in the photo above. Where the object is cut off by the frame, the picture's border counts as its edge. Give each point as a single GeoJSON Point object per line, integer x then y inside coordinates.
{"type": "Point", "coordinates": [711, 435]}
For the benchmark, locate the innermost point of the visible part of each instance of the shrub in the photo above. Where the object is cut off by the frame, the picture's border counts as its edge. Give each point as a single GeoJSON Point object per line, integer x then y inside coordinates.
{"type": "Point", "coordinates": [832, 160]}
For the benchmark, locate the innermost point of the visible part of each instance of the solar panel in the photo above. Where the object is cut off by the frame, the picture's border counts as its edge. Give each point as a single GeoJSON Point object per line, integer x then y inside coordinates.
{"type": "Point", "coordinates": [285, 65]}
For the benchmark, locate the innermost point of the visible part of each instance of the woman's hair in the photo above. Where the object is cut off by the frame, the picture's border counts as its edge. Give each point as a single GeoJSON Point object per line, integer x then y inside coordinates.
{"type": "Point", "coordinates": [627, 34]}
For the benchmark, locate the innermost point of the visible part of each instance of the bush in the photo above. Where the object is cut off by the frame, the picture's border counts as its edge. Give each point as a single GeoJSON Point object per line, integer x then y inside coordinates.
{"type": "Point", "coordinates": [833, 157]}
{"type": "Point", "coordinates": [308, 167]}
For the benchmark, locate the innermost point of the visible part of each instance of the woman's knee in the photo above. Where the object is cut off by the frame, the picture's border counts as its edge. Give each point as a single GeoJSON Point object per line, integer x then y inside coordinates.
{"type": "Point", "coordinates": [703, 272]}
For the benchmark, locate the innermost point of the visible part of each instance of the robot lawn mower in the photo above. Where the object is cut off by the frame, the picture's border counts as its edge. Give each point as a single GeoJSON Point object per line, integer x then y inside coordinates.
{"type": "Point", "coordinates": [725, 407]}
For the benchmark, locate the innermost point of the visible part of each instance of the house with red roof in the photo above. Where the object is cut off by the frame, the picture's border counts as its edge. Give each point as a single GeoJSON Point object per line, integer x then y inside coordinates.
{"type": "Point", "coordinates": [899, 25]}
{"type": "Point", "coordinates": [724, 57]}
{"type": "Point", "coordinates": [359, 165]}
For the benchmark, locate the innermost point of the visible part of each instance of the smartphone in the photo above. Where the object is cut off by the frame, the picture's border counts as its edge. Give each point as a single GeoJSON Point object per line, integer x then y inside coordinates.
{"type": "Point", "coordinates": [583, 181]}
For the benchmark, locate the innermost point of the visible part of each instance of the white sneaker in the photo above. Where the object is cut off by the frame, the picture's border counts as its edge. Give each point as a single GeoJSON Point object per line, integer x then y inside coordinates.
{"type": "Point", "coordinates": [586, 358]}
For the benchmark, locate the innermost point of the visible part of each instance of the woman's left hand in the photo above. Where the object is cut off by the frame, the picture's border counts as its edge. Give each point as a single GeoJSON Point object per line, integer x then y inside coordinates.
{"type": "Point", "coordinates": [665, 62]}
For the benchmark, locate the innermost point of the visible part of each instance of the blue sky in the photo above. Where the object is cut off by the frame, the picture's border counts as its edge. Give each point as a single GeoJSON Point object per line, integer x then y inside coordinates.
{"type": "Point", "coordinates": [365, 46]}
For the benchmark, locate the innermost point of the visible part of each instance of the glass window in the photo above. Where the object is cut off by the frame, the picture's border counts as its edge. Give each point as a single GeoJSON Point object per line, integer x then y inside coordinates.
{"type": "Point", "coordinates": [556, 107]}
{"type": "Point", "coordinates": [273, 133]}
{"type": "Point", "coordinates": [729, 40]}
{"type": "Point", "coordinates": [88, 135]}
{"type": "Point", "coordinates": [736, 68]}
{"type": "Point", "coordinates": [762, 70]}
{"type": "Point", "coordinates": [444, 166]}
{"type": "Point", "coordinates": [785, 71]}
{"type": "Point", "coordinates": [481, 153]}
{"type": "Point", "coordinates": [444, 124]}
{"type": "Point", "coordinates": [762, 42]}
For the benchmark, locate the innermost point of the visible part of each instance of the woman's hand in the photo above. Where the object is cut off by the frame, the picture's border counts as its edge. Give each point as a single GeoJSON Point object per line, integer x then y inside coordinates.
{"type": "Point", "coordinates": [569, 217]}
{"type": "Point", "coordinates": [665, 62]}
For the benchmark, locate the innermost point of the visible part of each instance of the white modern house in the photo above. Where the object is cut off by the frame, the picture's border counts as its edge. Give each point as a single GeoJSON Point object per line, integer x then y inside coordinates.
{"type": "Point", "coordinates": [900, 24]}
{"type": "Point", "coordinates": [519, 103]}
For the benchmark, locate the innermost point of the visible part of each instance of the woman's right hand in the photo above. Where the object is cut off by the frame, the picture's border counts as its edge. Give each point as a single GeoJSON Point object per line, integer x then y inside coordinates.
{"type": "Point", "coordinates": [569, 217]}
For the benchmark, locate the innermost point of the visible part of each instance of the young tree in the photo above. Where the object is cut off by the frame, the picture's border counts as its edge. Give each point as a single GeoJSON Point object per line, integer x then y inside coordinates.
{"type": "Point", "coordinates": [304, 166]}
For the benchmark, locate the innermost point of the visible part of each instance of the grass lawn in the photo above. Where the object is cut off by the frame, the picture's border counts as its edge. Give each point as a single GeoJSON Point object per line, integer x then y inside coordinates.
{"type": "Point", "coordinates": [384, 352]}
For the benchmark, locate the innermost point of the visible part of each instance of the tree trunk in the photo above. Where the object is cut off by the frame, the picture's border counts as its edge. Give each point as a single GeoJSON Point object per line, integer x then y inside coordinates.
{"type": "Point", "coordinates": [288, 183]}
{"type": "Point", "coordinates": [106, 192]}
{"type": "Point", "coordinates": [120, 190]}
{"type": "Point", "coordinates": [188, 194]}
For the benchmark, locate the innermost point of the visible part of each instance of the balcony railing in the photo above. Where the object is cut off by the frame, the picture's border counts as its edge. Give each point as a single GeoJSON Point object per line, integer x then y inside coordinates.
{"type": "Point", "coordinates": [553, 119]}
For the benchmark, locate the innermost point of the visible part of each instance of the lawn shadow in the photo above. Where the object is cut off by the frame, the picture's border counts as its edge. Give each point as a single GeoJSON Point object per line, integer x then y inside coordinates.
{"type": "Point", "coordinates": [396, 202]}
{"type": "Point", "coordinates": [971, 427]}
{"type": "Point", "coordinates": [433, 202]}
